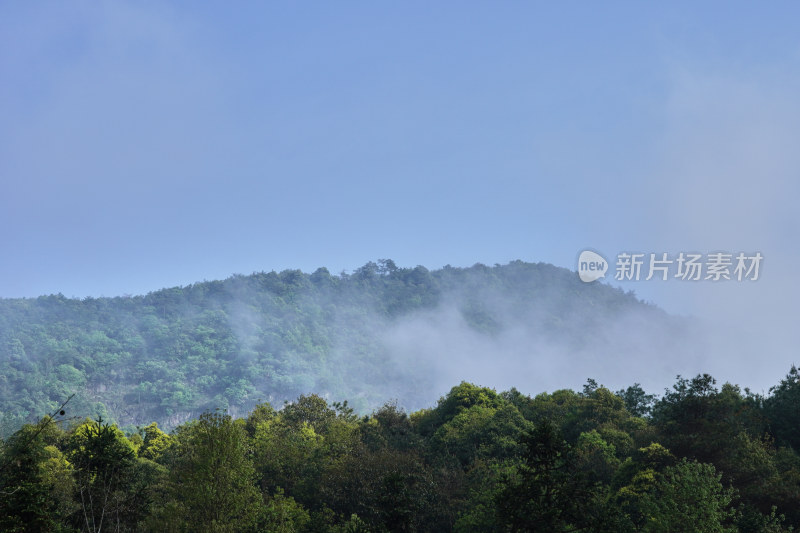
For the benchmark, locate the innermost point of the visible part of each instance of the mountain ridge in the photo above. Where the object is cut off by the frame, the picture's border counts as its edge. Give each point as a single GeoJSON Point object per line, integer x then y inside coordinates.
{"type": "Point", "coordinates": [380, 332]}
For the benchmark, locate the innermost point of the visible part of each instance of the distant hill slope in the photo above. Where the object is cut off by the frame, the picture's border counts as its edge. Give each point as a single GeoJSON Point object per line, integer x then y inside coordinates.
{"type": "Point", "coordinates": [380, 332]}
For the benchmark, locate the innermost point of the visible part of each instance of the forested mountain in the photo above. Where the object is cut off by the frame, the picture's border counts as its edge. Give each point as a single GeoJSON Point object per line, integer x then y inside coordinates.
{"type": "Point", "coordinates": [380, 332]}
{"type": "Point", "coordinates": [263, 403]}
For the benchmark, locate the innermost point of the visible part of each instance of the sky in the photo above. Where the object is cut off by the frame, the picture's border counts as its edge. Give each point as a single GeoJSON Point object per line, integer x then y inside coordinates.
{"type": "Point", "coordinates": [153, 144]}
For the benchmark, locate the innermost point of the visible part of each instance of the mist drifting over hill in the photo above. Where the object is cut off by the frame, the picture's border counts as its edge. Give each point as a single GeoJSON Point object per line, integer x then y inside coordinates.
{"type": "Point", "coordinates": [380, 333]}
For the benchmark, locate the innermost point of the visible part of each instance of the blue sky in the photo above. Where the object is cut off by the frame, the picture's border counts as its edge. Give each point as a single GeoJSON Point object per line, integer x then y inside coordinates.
{"type": "Point", "coordinates": [154, 144]}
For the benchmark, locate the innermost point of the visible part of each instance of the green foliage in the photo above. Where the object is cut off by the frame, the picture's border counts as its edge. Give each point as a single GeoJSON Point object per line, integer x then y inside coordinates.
{"type": "Point", "coordinates": [637, 401]}
{"type": "Point", "coordinates": [697, 420]}
{"type": "Point", "coordinates": [284, 515]}
{"type": "Point", "coordinates": [155, 443]}
{"type": "Point", "coordinates": [392, 427]}
{"type": "Point", "coordinates": [103, 459]}
{"type": "Point", "coordinates": [176, 352]}
{"type": "Point", "coordinates": [213, 476]}
{"type": "Point", "coordinates": [596, 457]}
{"type": "Point", "coordinates": [549, 493]}
{"type": "Point", "coordinates": [312, 411]}
{"type": "Point", "coordinates": [481, 431]}
{"type": "Point", "coordinates": [688, 497]}
{"type": "Point", "coordinates": [459, 399]}
{"type": "Point", "coordinates": [390, 490]}
{"type": "Point", "coordinates": [35, 483]}
{"type": "Point", "coordinates": [288, 456]}
{"type": "Point", "coordinates": [262, 412]}
{"type": "Point", "coordinates": [750, 520]}
{"type": "Point", "coordinates": [480, 461]}
{"type": "Point", "coordinates": [782, 410]}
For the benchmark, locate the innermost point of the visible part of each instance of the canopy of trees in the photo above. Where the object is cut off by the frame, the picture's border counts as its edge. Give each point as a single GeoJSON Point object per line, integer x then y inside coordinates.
{"type": "Point", "coordinates": [700, 458]}
{"type": "Point", "coordinates": [170, 355]}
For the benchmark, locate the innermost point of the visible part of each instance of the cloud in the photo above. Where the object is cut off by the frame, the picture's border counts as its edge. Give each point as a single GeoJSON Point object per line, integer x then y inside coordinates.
{"type": "Point", "coordinates": [725, 179]}
{"type": "Point", "coordinates": [538, 347]}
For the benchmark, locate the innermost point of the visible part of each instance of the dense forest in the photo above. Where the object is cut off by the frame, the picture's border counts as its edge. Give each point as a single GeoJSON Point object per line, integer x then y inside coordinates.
{"type": "Point", "coordinates": [259, 403]}
{"type": "Point", "coordinates": [172, 354]}
{"type": "Point", "coordinates": [701, 458]}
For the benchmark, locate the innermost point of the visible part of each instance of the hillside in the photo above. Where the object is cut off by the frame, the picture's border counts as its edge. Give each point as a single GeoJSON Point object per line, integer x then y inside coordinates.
{"type": "Point", "coordinates": [380, 332]}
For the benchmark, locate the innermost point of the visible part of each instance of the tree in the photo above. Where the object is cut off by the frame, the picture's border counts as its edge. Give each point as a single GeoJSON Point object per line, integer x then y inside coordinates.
{"type": "Point", "coordinates": [689, 497]}
{"type": "Point", "coordinates": [782, 409]}
{"type": "Point", "coordinates": [637, 401]}
{"type": "Point", "coordinates": [35, 483]}
{"type": "Point", "coordinates": [312, 410]}
{"type": "Point", "coordinates": [103, 459]}
{"type": "Point", "coordinates": [155, 443]}
{"type": "Point", "coordinates": [549, 493]}
{"type": "Point", "coordinates": [390, 490]}
{"type": "Point", "coordinates": [213, 478]}
{"type": "Point", "coordinates": [262, 412]}
{"type": "Point", "coordinates": [698, 421]}
{"type": "Point", "coordinates": [481, 431]}
{"type": "Point", "coordinates": [284, 515]}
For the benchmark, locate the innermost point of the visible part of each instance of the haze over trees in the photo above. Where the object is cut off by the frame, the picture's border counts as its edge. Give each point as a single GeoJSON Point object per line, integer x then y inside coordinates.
{"type": "Point", "coordinates": [381, 332]}
{"type": "Point", "coordinates": [259, 403]}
